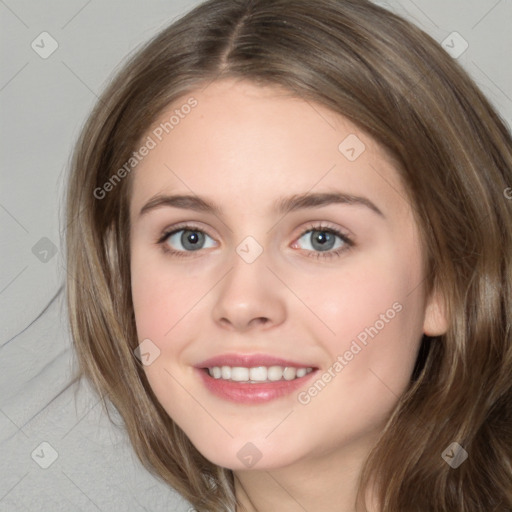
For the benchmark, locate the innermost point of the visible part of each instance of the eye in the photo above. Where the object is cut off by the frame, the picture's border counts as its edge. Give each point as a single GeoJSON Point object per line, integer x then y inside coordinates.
{"type": "Point", "coordinates": [189, 238]}
{"type": "Point", "coordinates": [324, 242]}
{"type": "Point", "coordinates": [320, 241]}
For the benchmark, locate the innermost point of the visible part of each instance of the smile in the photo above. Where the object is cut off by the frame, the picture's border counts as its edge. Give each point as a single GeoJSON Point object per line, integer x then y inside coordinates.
{"type": "Point", "coordinates": [253, 378]}
{"type": "Point", "coordinates": [258, 373]}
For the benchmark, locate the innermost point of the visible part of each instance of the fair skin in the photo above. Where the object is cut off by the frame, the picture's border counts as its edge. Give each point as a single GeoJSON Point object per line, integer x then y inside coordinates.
{"type": "Point", "coordinates": [243, 148]}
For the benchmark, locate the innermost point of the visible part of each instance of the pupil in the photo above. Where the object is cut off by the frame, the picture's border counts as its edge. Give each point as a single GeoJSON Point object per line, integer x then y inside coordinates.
{"type": "Point", "coordinates": [323, 240]}
{"type": "Point", "coordinates": [191, 239]}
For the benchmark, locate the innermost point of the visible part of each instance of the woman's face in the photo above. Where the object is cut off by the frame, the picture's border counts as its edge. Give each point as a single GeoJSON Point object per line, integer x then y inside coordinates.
{"type": "Point", "coordinates": [303, 276]}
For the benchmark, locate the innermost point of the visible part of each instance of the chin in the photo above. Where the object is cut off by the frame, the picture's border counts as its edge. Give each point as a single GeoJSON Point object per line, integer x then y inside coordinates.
{"type": "Point", "coordinates": [243, 455]}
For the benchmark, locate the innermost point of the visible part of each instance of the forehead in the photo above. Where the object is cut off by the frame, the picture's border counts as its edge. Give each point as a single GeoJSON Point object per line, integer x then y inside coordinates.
{"type": "Point", "coordinates": [245, 146]}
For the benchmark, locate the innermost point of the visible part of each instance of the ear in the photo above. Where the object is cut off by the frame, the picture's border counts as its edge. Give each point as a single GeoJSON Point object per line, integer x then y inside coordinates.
{"type": "Point", "coordinates": [436, 318]}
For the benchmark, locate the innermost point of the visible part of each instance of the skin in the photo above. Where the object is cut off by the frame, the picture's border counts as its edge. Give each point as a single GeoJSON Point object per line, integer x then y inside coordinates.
{"type": "Point", "coordinates": [244, 147]}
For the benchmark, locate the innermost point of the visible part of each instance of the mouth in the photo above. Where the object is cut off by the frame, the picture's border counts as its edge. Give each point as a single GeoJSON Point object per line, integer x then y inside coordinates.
{"type": "Point", "coordinates": [253, 379]}
{"type": "Point", "coordinates": [257, 374]}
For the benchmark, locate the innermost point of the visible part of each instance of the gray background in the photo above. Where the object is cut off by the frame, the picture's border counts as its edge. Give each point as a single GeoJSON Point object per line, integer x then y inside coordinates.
{"type": "Point", "coordinates": [44, 102]}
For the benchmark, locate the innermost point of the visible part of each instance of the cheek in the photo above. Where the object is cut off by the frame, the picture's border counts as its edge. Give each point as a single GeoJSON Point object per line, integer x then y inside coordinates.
{"type": "Point", "coordinates": [352, 298]}
{"type": "Point", "coordinates": [161, 301]}
{"type": "Point", "coordinates": [168, 312]}
{"type": "Point", "coordinates": [164, 311]}
{"type": "Point", "coordinates": [153, 306]}
{"type": "Point", "coordinates": [370, 314]}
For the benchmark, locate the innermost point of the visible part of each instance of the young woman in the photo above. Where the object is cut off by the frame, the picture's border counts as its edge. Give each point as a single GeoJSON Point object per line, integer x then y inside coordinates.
{"type": "Point", "coordinates": [294, 275]}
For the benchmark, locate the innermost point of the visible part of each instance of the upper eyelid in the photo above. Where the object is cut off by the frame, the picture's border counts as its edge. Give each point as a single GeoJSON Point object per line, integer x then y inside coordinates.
{"type": "Point", "coordinates": [311, 226]}
{"type": "Point", "coordinates": [181, 227]}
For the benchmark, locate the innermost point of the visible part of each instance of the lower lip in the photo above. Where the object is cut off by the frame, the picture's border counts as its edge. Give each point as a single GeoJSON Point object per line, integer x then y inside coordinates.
{"type": "Point", "coordinates": [252, 393]}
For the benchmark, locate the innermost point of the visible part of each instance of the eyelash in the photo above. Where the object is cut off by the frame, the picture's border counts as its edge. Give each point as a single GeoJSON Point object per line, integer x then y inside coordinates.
{"type": "Point", "coordinates": [348, 242]}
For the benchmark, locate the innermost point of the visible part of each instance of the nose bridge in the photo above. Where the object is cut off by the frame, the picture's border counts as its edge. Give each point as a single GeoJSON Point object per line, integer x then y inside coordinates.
{"type": "Point", "coordinates": [248, 278]}
{"type": "Point", "coordinates": [251, 253]}
{"type": "Point", "coordinates": [246, 294]}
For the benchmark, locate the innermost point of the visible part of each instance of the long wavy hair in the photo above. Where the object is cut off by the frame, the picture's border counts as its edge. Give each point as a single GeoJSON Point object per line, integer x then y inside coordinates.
{"type": "Point", "coordinates": [454, 156]}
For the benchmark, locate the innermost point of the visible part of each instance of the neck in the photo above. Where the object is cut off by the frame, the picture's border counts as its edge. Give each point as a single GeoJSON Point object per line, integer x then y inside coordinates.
{"type": "Point", "coordinates": [325, 483]}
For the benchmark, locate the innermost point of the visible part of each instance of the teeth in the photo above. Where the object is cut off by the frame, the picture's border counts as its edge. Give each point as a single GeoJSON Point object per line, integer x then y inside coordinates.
{"type": "Point", "coordinates": [226, 372]}
{"type": "Point", "coordinates": [257, 373]}
{"type": "Point", "coordinates": [289, 373]}
{"type": "Point", "coordinates": [275, 373]}
{"type": "Point", "coordinates": [301, 372]}
{"type": "Point", "coordinates": [239, 374]}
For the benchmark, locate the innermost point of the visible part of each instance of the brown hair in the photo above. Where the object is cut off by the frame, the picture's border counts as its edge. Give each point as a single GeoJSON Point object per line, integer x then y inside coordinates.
{"type": "Point", "coordinates": [454, 155]}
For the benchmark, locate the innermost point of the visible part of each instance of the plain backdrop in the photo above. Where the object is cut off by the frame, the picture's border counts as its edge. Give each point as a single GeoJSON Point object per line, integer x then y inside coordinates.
{"type": "Point", "coordinates": [59, 451]}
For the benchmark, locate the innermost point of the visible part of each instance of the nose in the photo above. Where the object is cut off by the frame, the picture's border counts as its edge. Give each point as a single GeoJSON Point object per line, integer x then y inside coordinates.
{"type": "Point", "coordinates": [249, 297]}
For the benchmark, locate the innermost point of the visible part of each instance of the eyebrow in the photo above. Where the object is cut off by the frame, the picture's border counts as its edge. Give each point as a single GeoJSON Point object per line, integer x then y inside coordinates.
{"type": "Point", "coordinates": [281, 206]}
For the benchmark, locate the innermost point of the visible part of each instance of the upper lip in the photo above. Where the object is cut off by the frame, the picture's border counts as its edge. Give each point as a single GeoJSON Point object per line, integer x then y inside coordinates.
{"type": "Point", "coordinates": [250, 361]}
